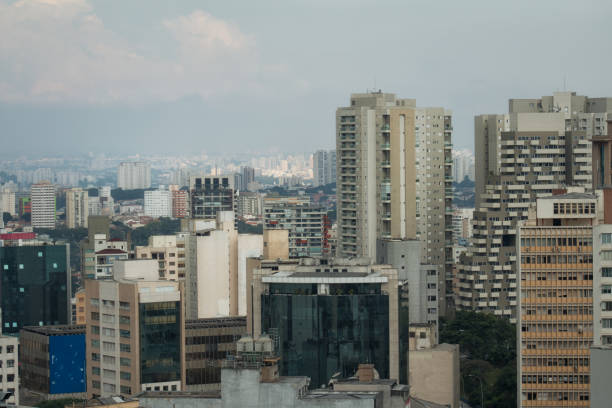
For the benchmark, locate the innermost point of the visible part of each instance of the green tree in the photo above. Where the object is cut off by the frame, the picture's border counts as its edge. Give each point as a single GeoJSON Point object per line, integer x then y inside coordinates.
{"type": "Point", "coordinates": [6, 217]}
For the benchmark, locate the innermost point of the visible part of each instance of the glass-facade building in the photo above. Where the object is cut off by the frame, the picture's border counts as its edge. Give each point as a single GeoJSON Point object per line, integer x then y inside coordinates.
{"type": "Point", "coordinates": [35, 286]}
{"type": "Point", "coordinates": [160, 342]}
{"type": "Point", "coordinates": [321, 335]}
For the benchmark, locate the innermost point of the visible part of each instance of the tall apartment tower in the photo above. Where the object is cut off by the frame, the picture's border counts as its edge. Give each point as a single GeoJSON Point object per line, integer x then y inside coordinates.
{"type": "Point", "coordinates": [394, 179]}
{"type": "Point", "coordinates": [324, 167]}
{"type": "Point", "coordinates": [77, 208]}
{"type": "Point", "coordinates": [158, 203]}
{"type": "Point", "coordinates": [134, 175]}
{"type": "Point", "coordinates": [248, 177]}
{"type": "Point", "coordinates": [43, 205]}
{"type": "Point", "coordinates": [555, 319]}
{"type": "Point", "coordinates": [540, 146]}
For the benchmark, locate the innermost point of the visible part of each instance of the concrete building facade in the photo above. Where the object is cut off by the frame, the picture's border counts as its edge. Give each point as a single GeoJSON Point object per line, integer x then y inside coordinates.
{"type": "Point", "coordinates": [555, 320]}
{"type": "Point", "coordinates": [211, 194]}
{"type": "Point", "coordinates": [158, 203]}
{"type": "Point", "coordinates": [540, 146]}
{"type": "Point", "coordinates": [390, 152]}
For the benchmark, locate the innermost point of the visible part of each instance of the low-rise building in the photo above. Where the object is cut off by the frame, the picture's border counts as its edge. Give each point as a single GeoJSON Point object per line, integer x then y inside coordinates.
{"type": "Point", "coordinates": [9, 367]}
{"type": "Point", "coordinates": [52, 360]}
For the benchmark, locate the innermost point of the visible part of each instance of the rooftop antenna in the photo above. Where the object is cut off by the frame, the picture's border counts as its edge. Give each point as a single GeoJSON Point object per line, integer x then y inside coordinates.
{"type": "Point", "coordinates": [564, 83]}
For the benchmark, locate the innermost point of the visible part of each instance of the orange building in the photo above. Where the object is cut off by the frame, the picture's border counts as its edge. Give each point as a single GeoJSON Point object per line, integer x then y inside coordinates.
{"type": "Point", "coordinates": [555, 328]}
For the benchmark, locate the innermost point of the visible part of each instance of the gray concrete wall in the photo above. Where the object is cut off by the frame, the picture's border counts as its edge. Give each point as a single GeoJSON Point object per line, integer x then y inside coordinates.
{"type": "Point", "coordinates": [601, 392]}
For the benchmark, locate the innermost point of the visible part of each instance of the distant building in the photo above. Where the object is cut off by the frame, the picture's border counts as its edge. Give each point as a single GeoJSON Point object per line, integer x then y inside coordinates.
{"type": "Point", "coordinates": [324, 167]}
{"type": "Point", "coordinates": [36, 284]}
{"type": "Point", "coordinates": [248, 177]}
{"type": "Point", "coordinates": [168, 251]}
{"type": "Point", "coordinates": [7, 202]}
{"type": "Point", "coordinates": [43, 205]}
{"type": "Point", "coordinates": [211, 194]}
{"type": "Point", "coordinates": [158, 203]}
{"type": "Point", "coordinates": [134, 175]}
{"type": "Point", "coordinates": [320, 307]}
{"type": "Point", "coordinates": [135, 331]}
{"type": "Point", "coordinates": [53, 362]}
{"type": "Point", "coordinates": [250, 204]}
{"type": "Point", "coordinates": [306, 222]}
{"type": "Point", "coordinates": [97, 225]}
{"type": "Point", "coordinates": [180, 202]}
{"type": "Point", "coordinates": [77, 208]}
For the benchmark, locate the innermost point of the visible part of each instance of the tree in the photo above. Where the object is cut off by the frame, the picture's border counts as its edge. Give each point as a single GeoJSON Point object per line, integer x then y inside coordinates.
{"type": "Point", "coordinates": [6, 217]}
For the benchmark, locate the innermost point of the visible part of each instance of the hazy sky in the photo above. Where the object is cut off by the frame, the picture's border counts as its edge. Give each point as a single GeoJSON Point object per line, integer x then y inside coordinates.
{"type": "Point", "coordinates": [189, 76]}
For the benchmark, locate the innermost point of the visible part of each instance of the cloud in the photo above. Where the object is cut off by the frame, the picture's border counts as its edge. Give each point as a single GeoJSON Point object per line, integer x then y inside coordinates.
{"type": "Point", "coordinates": [60, 51]}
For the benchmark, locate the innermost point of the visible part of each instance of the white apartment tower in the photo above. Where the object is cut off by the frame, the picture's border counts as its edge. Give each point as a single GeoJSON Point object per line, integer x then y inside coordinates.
{"type": "Point", "coordinates": [134, 175]}
{"type": "Point", "coordinates": [43, 205]}
{"type": "Point", "coordinates": [77, 208]}
{"type": "Point", "coordinates": [540, 146]}
{"type": "Point", "coordinates": [324, 167]}
{"type": "Point", "coordinates": [394, 179]}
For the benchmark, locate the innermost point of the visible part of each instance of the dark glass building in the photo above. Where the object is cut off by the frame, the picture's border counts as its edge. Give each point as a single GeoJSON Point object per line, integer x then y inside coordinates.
{"type": "Point", "coordinates": [210, 195]}
{"type": "Point", "coordinates": [331, 317]}
{"type": "Point", "coordinates": [35, 286]}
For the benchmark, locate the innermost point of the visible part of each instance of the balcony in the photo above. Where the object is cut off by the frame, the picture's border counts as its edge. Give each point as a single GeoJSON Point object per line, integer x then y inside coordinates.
{"type": "Point", "coordinates": [385, 163]}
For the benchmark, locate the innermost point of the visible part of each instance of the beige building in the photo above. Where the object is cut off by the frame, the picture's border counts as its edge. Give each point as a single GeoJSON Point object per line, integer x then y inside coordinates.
{"type": "Point", "coordinates": [135, 332]}
{"type": "Point", "coordinates": [540, 146]}
{"type": "Point", "coordinates": [390, 152]}
{"type": "Point", "coordinates": [168, 251]}
{"type": "Point", "coordinates": [9, 368]}
{"type": "Point", "coordinates": [555, 320]}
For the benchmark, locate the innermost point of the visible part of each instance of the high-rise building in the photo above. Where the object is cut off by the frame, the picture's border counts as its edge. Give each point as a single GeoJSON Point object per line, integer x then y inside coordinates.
{"type": "Point", "coordinates": [211, 194]}
{"type": "Point", "coordinates": [248, 177]}
{"type": "Point", "coordinates": [77, 208]}
{"type": "Point", "coordinates": [305, 222]}
{"type": "Point", "coordinates": [168, 251]}
{"type": "Point", "coordinates": [135, 332]}
{"type": "Point", "coordinates": [35, 285]}
{"type": "Point", "coordinates": [602, 276]}
{"type": "Point", "coordinates": [249, 204]}
{"type": "Point", "coordinates": [158, 203]}
{"type": "Point", "coordinates": [43, 205]}
{"type": "Point", "coordinates": [394, 179]}
{"type": "Point", "coordinates": [555, 319]}
{"type": "Point", "coordinates": [180, 202]}
{"type": "Point", "coordinates": [324, 167]}
{"type": "Point", "coordinates": [53, 361]}
{"type": "Point", "coordinates": [7, 202]}
{"type": "Point", "coordinates": [540, 146]}
{"type": "Point", "coordinates": [134, 175]}
{"type": "Point", "coordinates": [329, 315]}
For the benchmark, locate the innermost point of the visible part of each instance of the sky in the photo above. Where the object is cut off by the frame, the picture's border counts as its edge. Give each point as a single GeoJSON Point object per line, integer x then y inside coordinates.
{"type": "Point", "coordinates": [180, 77]}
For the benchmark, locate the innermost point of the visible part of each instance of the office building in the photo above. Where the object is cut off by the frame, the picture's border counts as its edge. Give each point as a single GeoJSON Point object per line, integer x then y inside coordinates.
{"type": "Point", "coordinates": [134, 175]}
{"type": "Point", "coordinates": [330, 315]}
{"type": "Point", "coordinates": [9, 368]}
{"type": "Point", "coordinates": [324, 167]}
{"type": "Point", "coordinates": [208, 342]}
{"type": "Point", "coordinates": [134, 331]}
{"type": "Point", "coordinates": [52, 362]}
{"type": "Point", "coordinates": [540, 146]}
{"type": "Point", "coordinates": [211, 194]}
{"type": "Point", "coordinates": [168, 251]}
{"type": "Point", "coordinates": [463, 165]}
{"type": "Point", "coordinates": [180, 202]}
{"type": "Point", "coordinates": [43, 205]}
{"type": "Point", "coordinates": [306, 223]}
{"type": "Point", "coordinates": [77, 208]}
{"type": "Point", "coordinates": [36, 285]}
{"type": "Point", "coordinates": [158, 203]}
{"type": "Point", "coordinates": [555, 319]}
{"type": "Point", "coordinates": [96, 225]}
{"type": "Point", "coordinates": [394, 179]}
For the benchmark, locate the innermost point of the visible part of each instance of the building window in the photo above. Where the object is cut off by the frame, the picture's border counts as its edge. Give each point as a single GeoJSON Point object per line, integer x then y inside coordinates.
{"type": "Point", "coordinates": [95, 370]}
{"type": "Point", "coordinates": [95, 302]}
{"type": "Point", "coordinates": [10, 363]}
{"type": "Point", "coordinates": [124, 348]}
{"type": "Point", "coordinates": [124, 320]}
{"type": "Point", "coordinates": [95, 384]}
{"type": "Point", "coordinates": [110, 374]}
{"type": "Point", "coordinates": [606, 272]}
{"type": "Point", "coordinates": [108, 332]}
{"type": "Point", "coordinates": [126, 376]}
{"type": "Point", "coordinates": [124, 305]}
{"type": "Point", "coordinates": [606, 289]}
{"type": "Point", "coordinates": [10, 377]}
{"type": "Point", "coordinates": [109, 387]}
{"type": "Point", "coordinates": [124, 361]}
{"type": "Point", "coordinates": [108, 359]}
{"type": "Point", "coordinates": [95, 343]}
{"type": "Point", "coordinates": [95, 357]}
{"type": "Point", "coordinates": [124, 333]}
{"type": "Point", "coordinates": [95, 316]}
{"type": "Point", "coordinates": [95, 329]}
{"type": "Point", "coordinates": [10, 349]}
{"type": "Point", "coordinates": [125, 390]}
{"type": "Point", "coordinates": [606, 238]}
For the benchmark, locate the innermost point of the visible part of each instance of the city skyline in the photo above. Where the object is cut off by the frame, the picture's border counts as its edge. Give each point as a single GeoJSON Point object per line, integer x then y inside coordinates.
{"type": "Point", "coordinates": [115, 100]}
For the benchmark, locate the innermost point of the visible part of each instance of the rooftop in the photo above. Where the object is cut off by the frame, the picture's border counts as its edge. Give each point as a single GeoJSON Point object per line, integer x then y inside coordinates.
{"type": "Point", "coordinates": [215, 322]}
{"type": "Point", "coordinates": [59, 330]}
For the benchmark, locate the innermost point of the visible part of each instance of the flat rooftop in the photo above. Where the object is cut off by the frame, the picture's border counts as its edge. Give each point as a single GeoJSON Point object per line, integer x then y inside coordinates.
{"type": "Point", "coordinates": [215, 322]}
{"type": "Point", "coordinates": [60, 330]}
